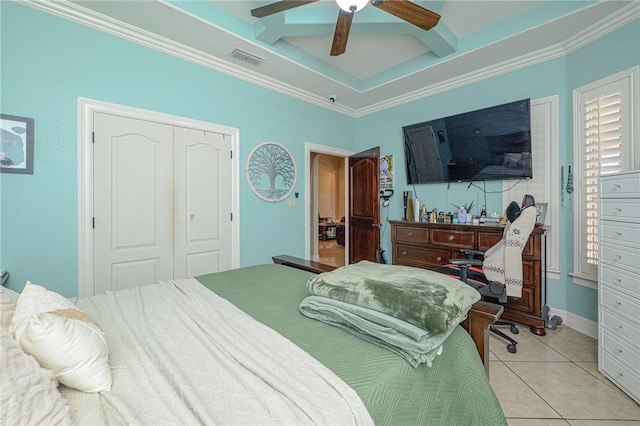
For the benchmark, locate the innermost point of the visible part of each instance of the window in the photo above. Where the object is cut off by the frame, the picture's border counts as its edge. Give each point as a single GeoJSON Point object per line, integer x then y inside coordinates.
{"type": "Point", "coordinates": [603, 144]}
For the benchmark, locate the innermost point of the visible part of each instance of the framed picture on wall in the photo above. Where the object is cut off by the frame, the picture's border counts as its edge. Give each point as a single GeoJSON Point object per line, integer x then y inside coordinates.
{"type": "Point", "coordinates": [16, 144]}
{"type": "Point", "coordinates": [541, 208]}
{"type": "Point", "coordinates": [386, 171]}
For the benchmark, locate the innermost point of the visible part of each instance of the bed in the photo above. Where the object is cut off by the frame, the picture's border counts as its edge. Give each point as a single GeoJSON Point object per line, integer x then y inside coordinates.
{"type": "Point", "coordinates": [454, 390]}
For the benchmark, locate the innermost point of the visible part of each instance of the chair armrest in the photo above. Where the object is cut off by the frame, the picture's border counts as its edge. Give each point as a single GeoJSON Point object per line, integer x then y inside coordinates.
{"type": "Point", "coordinates": [471, 253]}
{"type": "Point", "coordinates": [467, 262]}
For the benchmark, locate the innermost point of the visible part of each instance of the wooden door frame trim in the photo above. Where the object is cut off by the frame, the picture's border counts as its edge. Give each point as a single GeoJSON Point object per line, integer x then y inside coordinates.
{"type": "Point", "coordinates": [86, 108]}
{"type": "Point", "coordinates": [310, 148]}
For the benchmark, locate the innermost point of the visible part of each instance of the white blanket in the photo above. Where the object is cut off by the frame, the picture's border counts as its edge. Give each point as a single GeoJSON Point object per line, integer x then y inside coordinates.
{"type": "Point", "coordinates": [182, 355]}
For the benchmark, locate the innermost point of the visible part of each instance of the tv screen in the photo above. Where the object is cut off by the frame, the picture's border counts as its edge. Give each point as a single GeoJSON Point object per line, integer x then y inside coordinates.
{"type": "Point", "coordinates": [488, 144]}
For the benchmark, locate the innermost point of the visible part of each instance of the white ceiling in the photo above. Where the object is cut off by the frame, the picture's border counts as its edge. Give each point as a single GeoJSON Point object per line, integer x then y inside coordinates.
{"type": "Point", "coordinates": [387, 61]}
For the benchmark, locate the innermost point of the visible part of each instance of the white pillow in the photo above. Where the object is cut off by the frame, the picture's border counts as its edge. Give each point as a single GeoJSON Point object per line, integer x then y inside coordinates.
{"type": "Point", "coordinates": [33, 300]}
{"type": "Point", "coordinates": [62, 338]}
{"type": "Point", "coordinates": [29, 392]}
{"type": "Point", "coordinates": [8, 300]}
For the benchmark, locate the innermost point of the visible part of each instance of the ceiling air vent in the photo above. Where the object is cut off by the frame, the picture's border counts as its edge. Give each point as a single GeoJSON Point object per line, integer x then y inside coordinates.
{"type": "Point", "coordinates": [246, 56]}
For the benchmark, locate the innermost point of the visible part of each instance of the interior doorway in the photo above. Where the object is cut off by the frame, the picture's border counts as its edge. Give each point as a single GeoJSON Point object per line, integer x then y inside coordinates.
{"type": "Point", "coordinates": [327, 221]}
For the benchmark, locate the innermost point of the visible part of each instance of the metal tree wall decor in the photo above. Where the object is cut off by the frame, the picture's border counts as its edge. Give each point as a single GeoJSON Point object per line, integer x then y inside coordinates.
{"type": "Point", "coordinates": [271, 171]}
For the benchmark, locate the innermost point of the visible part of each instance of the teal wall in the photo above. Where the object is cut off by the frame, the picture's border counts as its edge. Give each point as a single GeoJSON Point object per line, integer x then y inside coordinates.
{"type": "Point", "coordinates": [608, 55]}
{"type": "Point", "coordinates": [47, 63]}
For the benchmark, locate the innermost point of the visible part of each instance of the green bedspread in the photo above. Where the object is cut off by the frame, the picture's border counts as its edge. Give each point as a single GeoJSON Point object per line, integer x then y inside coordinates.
{"type": "Point", "coordinates": [454, 391]}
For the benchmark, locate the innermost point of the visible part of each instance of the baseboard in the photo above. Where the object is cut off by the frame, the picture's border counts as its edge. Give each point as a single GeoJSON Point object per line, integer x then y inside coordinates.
{"type": "Point", "coordinates": [578, 323]}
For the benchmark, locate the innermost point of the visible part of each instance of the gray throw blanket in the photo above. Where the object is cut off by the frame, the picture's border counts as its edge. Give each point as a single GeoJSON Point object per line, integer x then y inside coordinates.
{"type": "Point", "coordinates": [408, 310]}
{"type": "Point", "coordinates": [414, 344]}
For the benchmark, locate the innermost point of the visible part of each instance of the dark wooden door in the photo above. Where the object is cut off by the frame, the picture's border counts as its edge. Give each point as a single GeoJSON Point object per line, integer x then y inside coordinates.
{"type": "Point", "coordinates": [364, 206]}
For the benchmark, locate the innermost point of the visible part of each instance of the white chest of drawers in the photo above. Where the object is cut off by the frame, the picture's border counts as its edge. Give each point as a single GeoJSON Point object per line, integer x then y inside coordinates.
{"type": "Point", "coordinates": [619, 281]}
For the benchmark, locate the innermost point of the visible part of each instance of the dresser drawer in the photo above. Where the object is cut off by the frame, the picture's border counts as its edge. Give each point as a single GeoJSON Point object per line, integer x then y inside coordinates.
{"type": "Point", "coordinates": [528, 273]}
{"type": "Point", "coordinates": [404, 254]}
{"type": "Point", "coordinates": [621, 374]}
{"type": "Point", "coordinates": [486, 241]}
{"type": "Point", "coordinates": [621, 210]}
{"type": "Point", "coordinates": [453, 238]}
{"type": "Point", "coordinates": [621, 280]}
{"type": "Point", "coordinates": [525, 304]}
{"type": "Point", "coordinates": [627, 234]}
{"type": "Point", "coordinates": [623, 185]}
{"type": "Point", "coordinates": [619, 303]}
{"type": "Point", "coordinates": [621, 350]}
{"type": "Point", "coordinates": [411, 234]}
{"type": "Point", "coordinates": [619, 326]}
{"type": "Point", "coordinates": [621, 257]}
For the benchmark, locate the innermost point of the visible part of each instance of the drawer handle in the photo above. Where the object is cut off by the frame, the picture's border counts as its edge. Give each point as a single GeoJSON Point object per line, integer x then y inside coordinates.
{"type": "Point", "coordinates": [620, 375]}
{"type": "Point", "coordinates": [411, 233]}
{"type": "Point", "coordinates": [404, 253]}
{"type": "Point", "coordinates": [619, 303]}
{"type": "Point", "coordinates": [451, 237]}
{"type": "Point", "coordinates": [620, 351]}
{"type": "Point", "coordinates": [616, 186]}
{"type": "Point", "coordinates": [618, 234]}
{"type": "Point", "coordinates": [618, 210]}
{"type": "Point", "coordinates": [618, 281]}
{"type": "Point", "coordinates": [620, 327]}
{"type": "Point", "coordinates": [617, 257]}
{"type": "Point", "coordinates": [439, 258]}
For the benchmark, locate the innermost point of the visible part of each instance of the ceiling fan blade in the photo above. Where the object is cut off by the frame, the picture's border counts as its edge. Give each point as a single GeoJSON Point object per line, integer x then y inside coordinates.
{"type": "Point", "coordinates": [277, 7]}
{"type": "Point", "coordinates": [341, 35]}
{"type": "Point", "coordinates": [410, 12]}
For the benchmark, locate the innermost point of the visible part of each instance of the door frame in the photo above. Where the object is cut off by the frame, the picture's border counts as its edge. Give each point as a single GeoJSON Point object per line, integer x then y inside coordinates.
{"type": "Point", "coordinates": [312, 148]}
{"type": "Point", "coordinates": [86, 108]}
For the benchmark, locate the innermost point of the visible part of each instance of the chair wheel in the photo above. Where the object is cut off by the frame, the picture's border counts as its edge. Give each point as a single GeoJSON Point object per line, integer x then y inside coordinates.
{"type": "Point", "coordinates": [514, 329]}
{"type": "Point", "coordinates": [511, 348]}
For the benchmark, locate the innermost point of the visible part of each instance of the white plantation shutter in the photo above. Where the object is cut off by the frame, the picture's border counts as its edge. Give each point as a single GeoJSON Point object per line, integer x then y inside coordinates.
{"type": "Point", "coordinates": [602, 145]}
{"type": "Point", "coordinates": [603, 155]}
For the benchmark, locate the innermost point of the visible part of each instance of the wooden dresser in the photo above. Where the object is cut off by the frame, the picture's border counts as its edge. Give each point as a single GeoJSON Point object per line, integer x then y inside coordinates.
{"type": "Point", "coordinates": [431, 245]}
{"type": "Point", "coordinates": [618, 282]}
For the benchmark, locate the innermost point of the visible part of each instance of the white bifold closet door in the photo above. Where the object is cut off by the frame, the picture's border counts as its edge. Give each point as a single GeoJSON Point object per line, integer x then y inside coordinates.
{"type": "Point", "coordinates": [162, 202]}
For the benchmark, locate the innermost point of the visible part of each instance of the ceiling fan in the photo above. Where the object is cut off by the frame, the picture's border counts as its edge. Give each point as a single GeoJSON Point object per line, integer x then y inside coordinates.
{"type": "Point", "coordinates": [403, 9]}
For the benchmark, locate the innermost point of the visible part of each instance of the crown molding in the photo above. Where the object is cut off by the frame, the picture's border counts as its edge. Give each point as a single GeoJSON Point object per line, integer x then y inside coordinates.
{"type": "Point", "coordinates": [72, 12]}
{"type": "Point", "coordinates": [588, 35]}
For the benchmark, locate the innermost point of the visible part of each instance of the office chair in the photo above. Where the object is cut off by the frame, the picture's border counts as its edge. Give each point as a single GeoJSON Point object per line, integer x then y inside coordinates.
{"type": "Point", "coordinates": [500, 273]}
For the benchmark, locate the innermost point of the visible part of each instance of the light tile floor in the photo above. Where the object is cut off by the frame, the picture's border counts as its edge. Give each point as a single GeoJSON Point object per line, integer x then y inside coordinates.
{"type": "Point", "coordinates": [331, 253]}
{"type": "Point", "coordinates": [554, 380]}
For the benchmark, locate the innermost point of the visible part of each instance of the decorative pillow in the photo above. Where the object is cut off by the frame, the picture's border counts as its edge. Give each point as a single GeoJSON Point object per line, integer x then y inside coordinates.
{"type": "Point", "coordinates": [29, 392]}
{"type": "Point", "coordinates": [8, 300]}
{"type": "Point", "coordinates": [62, 338]}
{"type": "Point", "coordinates": [427, 299]}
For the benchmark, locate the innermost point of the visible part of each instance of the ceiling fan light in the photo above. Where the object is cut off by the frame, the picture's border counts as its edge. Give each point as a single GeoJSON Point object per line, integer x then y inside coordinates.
{"type": "Point", "coordinates": [348, 5]}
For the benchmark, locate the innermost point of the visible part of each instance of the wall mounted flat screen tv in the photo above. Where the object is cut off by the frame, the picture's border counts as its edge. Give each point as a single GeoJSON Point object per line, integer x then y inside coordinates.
{"type": "Point", "coordinates": [488, 144]}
